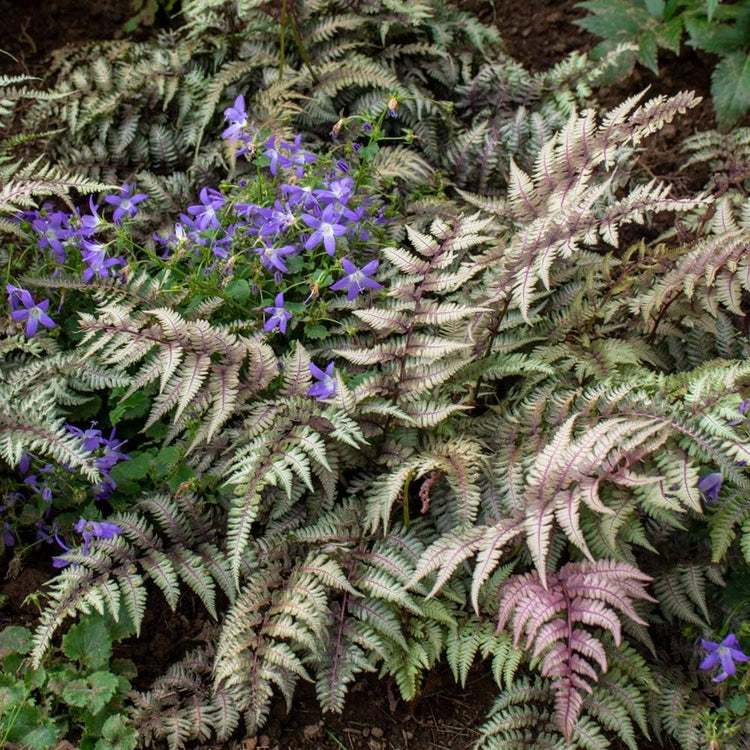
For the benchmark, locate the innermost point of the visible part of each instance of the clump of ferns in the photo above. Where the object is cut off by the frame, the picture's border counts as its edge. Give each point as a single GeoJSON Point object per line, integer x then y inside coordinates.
{"type": "Point", "coordinates": [506, 443]}
{"type": "Point", "coordinates": [155, 105]}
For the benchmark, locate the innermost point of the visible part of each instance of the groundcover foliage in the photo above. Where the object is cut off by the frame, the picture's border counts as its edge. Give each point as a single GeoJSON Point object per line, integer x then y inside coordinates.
{"type": "Point", "coordinates": [398, 383]}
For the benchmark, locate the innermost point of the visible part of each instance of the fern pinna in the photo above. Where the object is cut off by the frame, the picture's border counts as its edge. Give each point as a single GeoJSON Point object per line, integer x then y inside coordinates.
{"type": "Point", "coordinates": [509, 423]}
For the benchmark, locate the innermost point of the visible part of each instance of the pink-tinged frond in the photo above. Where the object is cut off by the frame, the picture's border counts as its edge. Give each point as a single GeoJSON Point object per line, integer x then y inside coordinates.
{"type": "Point", "coordinates": [568, 703]}
{"type": "Point", "coordinates": [585, 643]}
{"type": "Point", "coordinates": [598, 614]}
{"type": "Point", "coordinates": [579, 593]}
{"type": "Point", "coordinates": [543, 610]}
{"type": "Point", "coordinates": [549, 634]}
{"type": "Point", "coordinates": [580, 666]}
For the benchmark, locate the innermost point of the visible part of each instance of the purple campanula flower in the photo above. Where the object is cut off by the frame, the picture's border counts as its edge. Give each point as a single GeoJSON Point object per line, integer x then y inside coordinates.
{"type": "Point", "coordinates": [91, 438]}
{"type": "Point", "coordinates": [278, 220]}
{"type": "Point", "coordinates": [23, 307]}
{"type": "Point", "coordinates": [16, 297]}
{"type": "Point", "coordinates": [326, 229]}
{"type": "Point", "coordinates": [709, 485]}
{"type": "Point", "coordinates": [90, 223]}
{"type": "Point", "coordinates": [112, 452]}
{"type": "Point", "coordinates": [96, 530]}
{"type": "Point", "coordinates": [205, 214]}
{"type": "Point", "coordinates": [356, 280]}
{"type": "Point", "coordinates": [305, 195]}
{"type": "Point", "coordinates": [24, 464]}
{"type": "Point", "coordinates": [277, 159]}
{"type": "Point", "coordinates": [272, 257]}
{"type": "Point", "coordinates": [299, 157]}
{"type": "Point", "coordinates": [723, 654]}
{"type": "Point", "coordinates": [279, 315]}
{"type": "Point", "coordinates": [53, 230]}
{"type": "Point", "coordinates": [367, 127]}
{"type": "Point", "coordinates": [237, 118]}
{"type": "Point", "coordinates": [326, 385]}
{"type": "Point", "coordinates": [744, 406]}
{"type": "Point", "coordinates": [95, 257]}
{"type": "Point", "coordinates": [125, 203]}
{"type": "Point", "coordinates": [338, 193]}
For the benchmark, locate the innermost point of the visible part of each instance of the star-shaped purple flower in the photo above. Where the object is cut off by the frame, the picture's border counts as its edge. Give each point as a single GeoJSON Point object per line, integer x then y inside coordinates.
{"type": "Point", "coordinates": [356, 280]}
{"type": "Point", "coordinates": [125, 203]}
{"type": "Point", "coordinates": [279, 316]}
{"type": "Point", "coordinates": [23, 307]}
{"type": "Point", "coordinates": [326, 229]}
{"type": "Point", "coordinates": [53, 230]}
{"type": "Point", "coordinates": [237, 118]}
{"type": "Point", "coordinates": [724, 654]}
{"type": "Point", "coordinates": [326, 386]}
{"type": "Point", "coordinates": [95, 257]}
{"type": "Point", "coordinates": [205, 213]}
{"type": "Point", "coordinates": [272, 257]}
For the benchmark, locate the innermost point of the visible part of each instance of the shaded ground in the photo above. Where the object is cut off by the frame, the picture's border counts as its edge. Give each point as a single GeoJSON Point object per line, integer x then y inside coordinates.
{"type": "Point", "coordinates": [537, 32]}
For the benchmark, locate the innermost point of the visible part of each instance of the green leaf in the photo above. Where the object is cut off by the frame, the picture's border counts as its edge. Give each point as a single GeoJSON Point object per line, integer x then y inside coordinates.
{"type": "Point", "coordinates": [136, 405]}
{"type": "Point", "coordinates": [368, 153]}
{"type": "Point", "coordinates": [103, 686]}
{"type": "Point", "coordinates": [89, 643]}
{"type": "Point", "coordinates": [92, 693]}
{"type": "Point", "coordinates": [238, 290]}
{"type": "Point", "coordinates": [647, 51]}
{"type": "Point", "coordinates": [76, 693]}
{"type": "Point", "coordinates": [719, 38]}
{"type": "Point", "coordinates": [15, 640]}
{"type": "Point", "coordinates": [32, 729]}
{"type": "Point", "coordinates": [131, 471]}
{"type": "Point", "coordinates": [655, 8]}
{"type": "Point", "coordinates": [711, 6]}
{"type": "Point", "coordinates": [316, 332]}
{"type": "Point", "coordinates": [117, 734]}
{"type": "Point", "coordinates": [668, 35]}
{"type": "Point", "coordinates": [183, 473]}
{"type": "Point", "coordinates": [166, 462]}
{"type": "Point", "coordinates": [730, 87]}
{"type": "Point", "coordinates": [617, 21]}
{"type": "Point", "coordinates": [738, 704]}
{"type": "Point", "coordinates": [12, 693]}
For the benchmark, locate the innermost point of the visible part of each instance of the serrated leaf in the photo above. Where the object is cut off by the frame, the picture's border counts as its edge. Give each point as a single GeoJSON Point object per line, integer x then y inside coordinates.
{"type": "Point", "coordinates": [89, 643]}
{"type": "Point", "coordinates": [14, 640]}
{"type": "Point", "coordinates": [730, 88]}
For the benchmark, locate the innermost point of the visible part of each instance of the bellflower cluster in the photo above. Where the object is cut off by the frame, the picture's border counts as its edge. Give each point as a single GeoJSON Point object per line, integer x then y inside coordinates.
{"type": "Point", "coordinates": [54, 230]}
{"type": "Point", "coordinates": [93, 440]}
{"type": "Point", "coordinates": [61, 232]}
{"type": "Point", "coordinates": [285, 219]}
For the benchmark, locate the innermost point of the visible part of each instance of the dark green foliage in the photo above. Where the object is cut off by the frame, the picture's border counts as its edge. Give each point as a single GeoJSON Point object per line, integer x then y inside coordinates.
{"type": "Point", "coordinates": [77, 693]}
{"type": "Point", "coordinates": [721, 28]}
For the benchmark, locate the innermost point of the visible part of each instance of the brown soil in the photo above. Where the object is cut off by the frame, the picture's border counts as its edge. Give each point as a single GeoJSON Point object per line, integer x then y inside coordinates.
{"type": "Point", "coordinates": [32, 30]}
